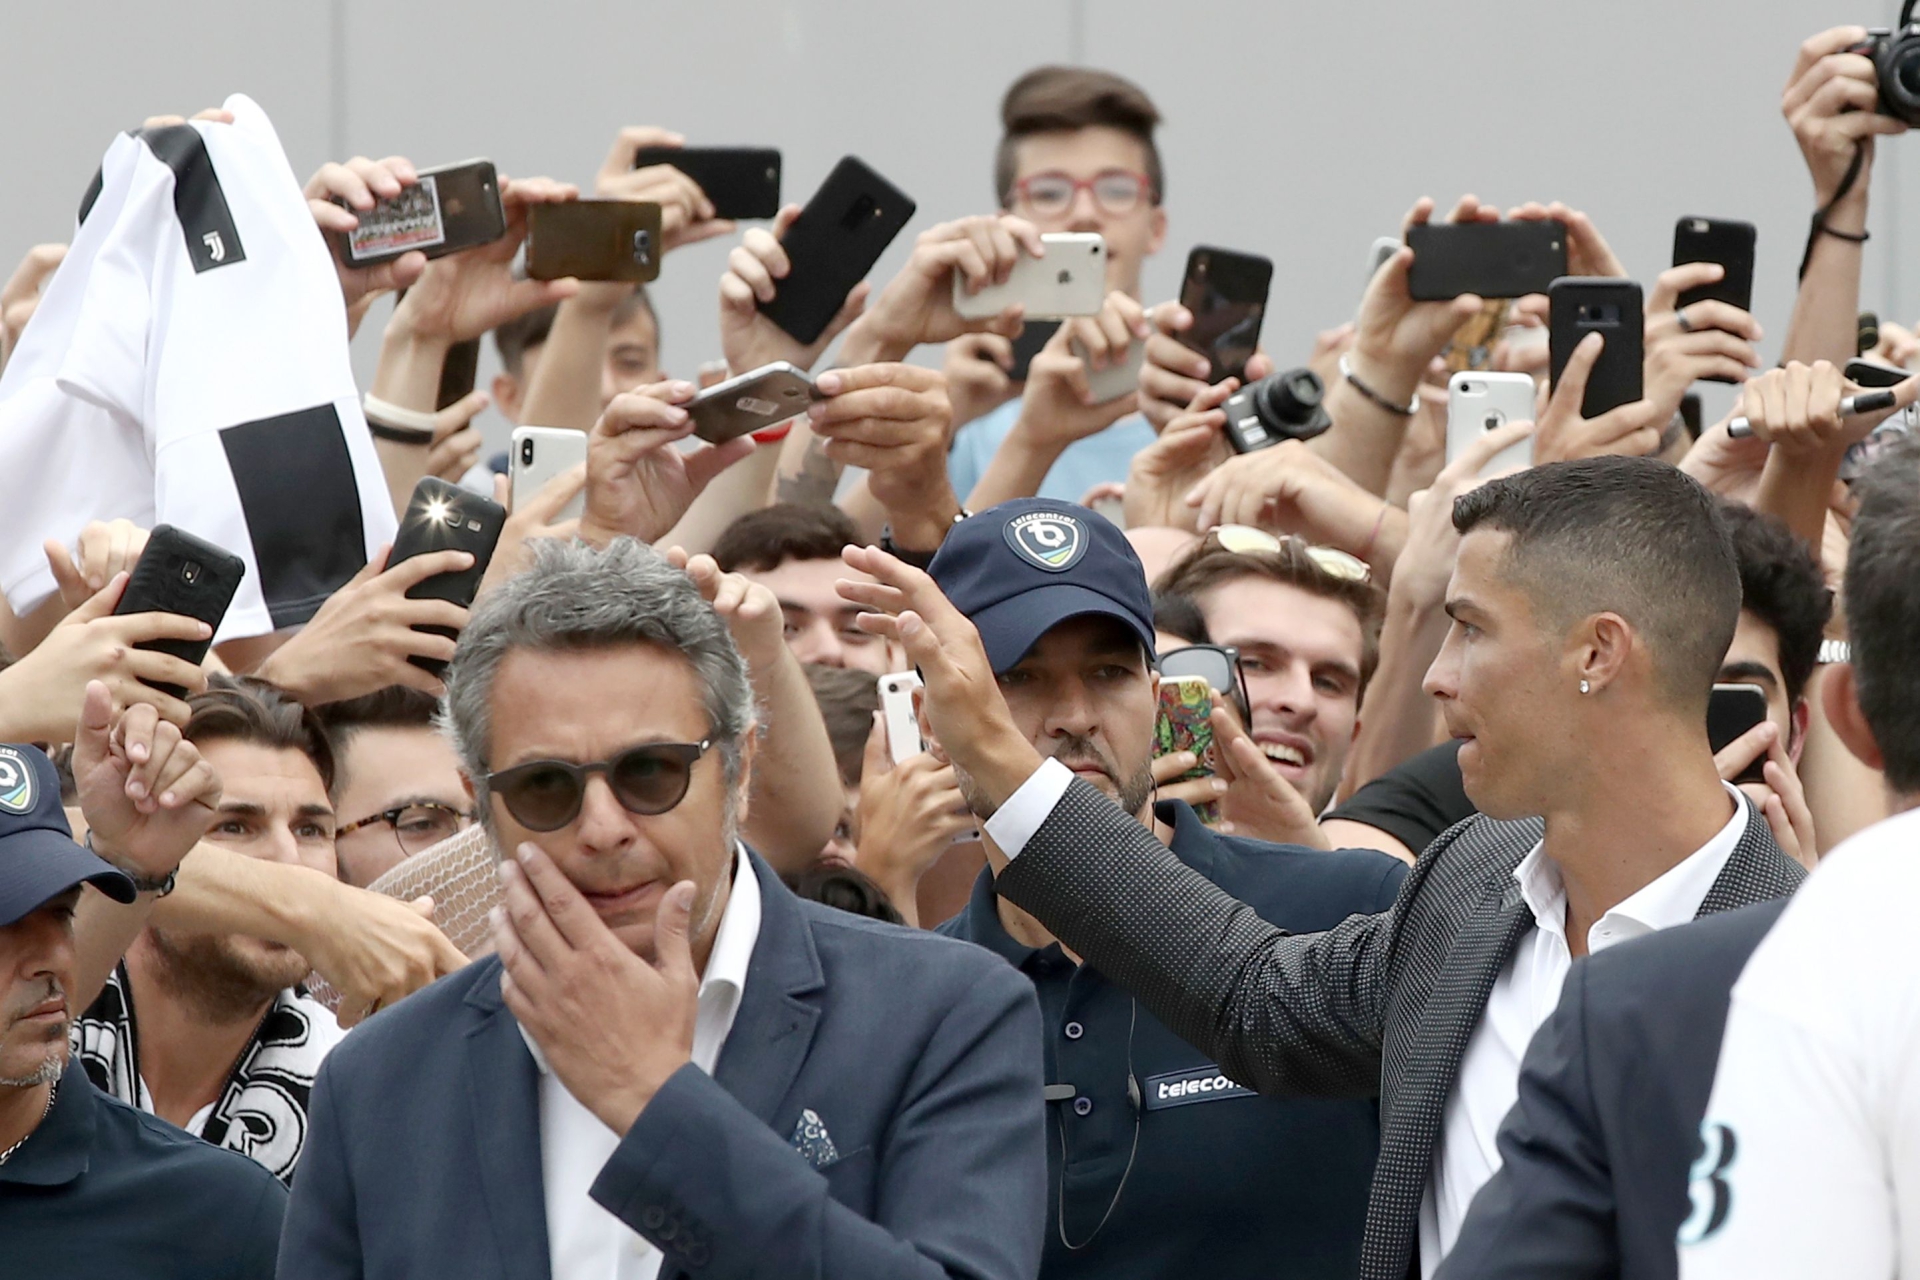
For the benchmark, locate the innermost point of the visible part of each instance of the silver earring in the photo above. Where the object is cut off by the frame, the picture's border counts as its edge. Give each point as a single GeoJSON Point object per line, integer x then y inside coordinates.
{"type": "Point", "coordinates": [1585, 687]}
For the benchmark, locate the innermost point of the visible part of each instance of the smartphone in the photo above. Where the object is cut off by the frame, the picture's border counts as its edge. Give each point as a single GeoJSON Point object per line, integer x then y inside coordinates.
{"type": "Point", "coordinates": [458, 373]}
{"type": "Point", "coordinates": [454, 207]}
{"type": "Point", "coordinates": [594, 240]}
{"type": "Point", "coordinates": [1185, 724]}
{"type": "Point", "coordinates": [1732, 709]}
{"type": "Point", "coordinates": [1491, 259]}
{"type": "Point", "coordinates": [1862, 454]}
{"type": "Point", "coordinates": [832, 245]}
{"type": "Point", "coordinates": [1070, 280]}
{"type": "Point", "coordinates": [1226, 292]}
{"type": "Point", "coordinates": [742, 182]}
{"type": "Point", "coordinates": [181, 574]}
{"type": "Point", "coordinates": [1871, 373]}
{"type": "Point", "coordinates": [1115, 380]}
{"type": "Point", "coordinates": [758, 399]}
{"type": "Point", "coordinates": [1481, 402]}
{"type": "Point", "coordinates": [445, 517]}
{"type": "Point", "coordinates": [896, 712]}
{"type": "Point", "coordinates": [1034, 335]}
{"type": "Point", "coordinates": [1384, 247]}
{"type": "Point", "coordinates": [536, 455]}
{"type": "Point", "coordinates": [1579, 305]}
{"type": "Point", "coordinates": [1715, 240]}
{"type": "Point", "coordinates": [1471, 346]}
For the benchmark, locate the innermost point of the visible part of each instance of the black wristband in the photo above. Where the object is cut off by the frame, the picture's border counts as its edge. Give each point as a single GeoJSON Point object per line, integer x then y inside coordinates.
{"type": "Point", "coordinates": [918, 559]}
{"type": "Point", "coordinates": [399, 435]}
{"type": "Point", "coordinates": [159, 886]}
{"type": "Point", "coordinates": [1399, 410]}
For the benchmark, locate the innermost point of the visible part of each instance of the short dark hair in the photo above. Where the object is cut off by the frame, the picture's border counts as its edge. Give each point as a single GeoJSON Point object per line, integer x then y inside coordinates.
{"type": "Point", "coordinates": [513, 338]}
{"type": "Point", "coordinates": [394, 707]}
{"type": "Point", "coordinates": [243, 709]}
{"type": "Point", "coordinates": [763, 540]}
{"type": "Point", "coordinates": [1781, 584]}
{"type": "Point", "coordinates": [848, 698]}
{"type": "Point", "coordinates": [845, 889]}
{"type": "Point", "coordinates": [1060, 99]}
{"type": "Point", "coordinates": [1633, 536]}
{"type": "Point", "coordinates": [1178, 615]}
{"type": "Point", "coordinates": [1883, 609]}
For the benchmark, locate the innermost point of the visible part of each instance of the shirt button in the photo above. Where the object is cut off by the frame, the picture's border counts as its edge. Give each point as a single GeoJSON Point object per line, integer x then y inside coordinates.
{"type": "Point", "coordinates": [1083, 1106]}
{"type": "Point", "coordinates": [653, 1218]}
{"type": "Point", "coordinates": [1075, 1031]}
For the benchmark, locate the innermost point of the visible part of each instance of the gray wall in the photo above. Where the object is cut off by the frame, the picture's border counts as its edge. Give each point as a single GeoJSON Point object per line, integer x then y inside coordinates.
{"type": "Point", "coordinates": [1298, 130]}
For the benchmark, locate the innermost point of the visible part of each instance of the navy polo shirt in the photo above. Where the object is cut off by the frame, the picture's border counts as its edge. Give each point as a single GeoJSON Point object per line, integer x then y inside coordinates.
{"type": "Point", "coordinates": [102, 1189]}
{"type": "Point", "coordinates": [1225, 1183]}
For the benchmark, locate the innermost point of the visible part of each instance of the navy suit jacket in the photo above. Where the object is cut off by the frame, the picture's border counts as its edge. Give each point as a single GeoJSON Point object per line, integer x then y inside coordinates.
{"type": "Point", "coordinates": [920, 1055]}
{"type": "Point", "coordinates": [1596, 1151]}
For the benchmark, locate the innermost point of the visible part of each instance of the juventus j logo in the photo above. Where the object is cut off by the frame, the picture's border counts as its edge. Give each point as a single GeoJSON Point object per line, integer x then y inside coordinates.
{"type": "Point", "coordinates": [215, 246]}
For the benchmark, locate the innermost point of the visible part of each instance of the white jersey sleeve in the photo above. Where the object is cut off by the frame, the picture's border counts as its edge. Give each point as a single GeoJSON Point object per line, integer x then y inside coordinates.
{"type": "Point", "coordinates": [1811, 1141]}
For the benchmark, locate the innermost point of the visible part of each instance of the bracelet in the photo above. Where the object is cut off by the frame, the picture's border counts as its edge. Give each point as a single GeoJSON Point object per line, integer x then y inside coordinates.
{"type": "Point", "coordinates": [1856, 237]}
{"type": "Point", "coordinates": [392, 422]}
{"type": "Point", "coordinates": [918, 559]}
{"type": "Point", "coordinates": [1404, 411]}
{"type": "Point", "coordinates": [399, 435]}
{"type": "Point", "coordinates": [1367, 552]}
{"type": "Point", "coordinates": [159, 886]}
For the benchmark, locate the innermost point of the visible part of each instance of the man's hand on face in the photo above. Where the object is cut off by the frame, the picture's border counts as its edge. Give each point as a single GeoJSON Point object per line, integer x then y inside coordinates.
{"type": "Point", "coordinates": [362, 183]}
{"type": "Point", "coordinates": [978, 367]}
{"type": "Point", "coordinates": [751, 611]}
{"type": "Point", "coordinates": [1059, 407]}
{"type": "Point", "coordinates": [375, 950]}
{"type": "Point", "coordinates": [1831, 103]}
{"type": "Point", "coordinates": [612, 1026]}
{"type": "Point", "coordinates": [463, 295]}
{"type": "Point", "coordinates": [686, 215]}
{"type": "Point", "coordinates": [147, 795]}
{"type": "Point", "coordinates": [638, 483]}
{"type": "Point", "coordinates": [917, 305]}
{"type": "Point", "coordinates": [755, 268]}
{"type": "Point", "coordinates": [1174, 374]}
{"type": "Point", "coordinates": [1780, 797]}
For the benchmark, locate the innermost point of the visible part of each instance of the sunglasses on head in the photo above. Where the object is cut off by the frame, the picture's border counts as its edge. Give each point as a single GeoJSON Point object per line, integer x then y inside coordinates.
{"type": "Point", "coordinates": [546, 795]}
{"type": "Point", "coordinates": [1241, 539]}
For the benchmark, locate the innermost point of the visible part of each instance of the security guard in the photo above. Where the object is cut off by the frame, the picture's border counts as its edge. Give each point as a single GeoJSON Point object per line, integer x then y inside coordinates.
{"type": "Point", "coordinates": [1160, 1166]}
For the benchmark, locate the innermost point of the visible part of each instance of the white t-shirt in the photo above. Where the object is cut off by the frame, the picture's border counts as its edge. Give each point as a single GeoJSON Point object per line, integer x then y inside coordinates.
{"type": "Point", "coordinates": [188, 365]}
{"type": "Point", "coordinates": [1812, 1135]}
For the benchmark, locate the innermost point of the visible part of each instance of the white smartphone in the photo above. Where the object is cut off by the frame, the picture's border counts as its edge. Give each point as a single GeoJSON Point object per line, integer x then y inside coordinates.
{"type": "Point", "coordinates": [1071, 280]}
{"type": "Point", "coordinates": [1480, 402]}
{"type": "Point", "coordinates": [1115, 380]}
{"type": "Point", "coordinates": [536, 455]}
{"type": "Point", "coordinates": [903, 726]}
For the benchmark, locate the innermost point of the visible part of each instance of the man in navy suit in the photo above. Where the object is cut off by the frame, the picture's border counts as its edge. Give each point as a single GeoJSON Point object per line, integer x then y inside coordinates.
{"type": "Point", "coordinates": [672, 1064]}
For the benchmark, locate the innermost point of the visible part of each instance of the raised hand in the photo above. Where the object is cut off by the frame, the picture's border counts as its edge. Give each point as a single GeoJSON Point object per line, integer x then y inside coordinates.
{"type": "Point", "coordinates": [147, 795]}
{"type": "Point", "coordinates": [638, 484]}
{"type": "Point", "coordinates": [755, 268]}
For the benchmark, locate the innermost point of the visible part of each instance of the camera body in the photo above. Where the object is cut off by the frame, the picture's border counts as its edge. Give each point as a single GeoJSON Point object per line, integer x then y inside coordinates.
{"type": "Point", "coordinates": [1895, 53]}
{"type": "Point", "coordinates": [1281, 406]}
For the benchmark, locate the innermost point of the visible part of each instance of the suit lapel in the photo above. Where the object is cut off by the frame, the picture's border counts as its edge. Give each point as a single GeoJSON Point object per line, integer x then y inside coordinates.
{"type": "Point", "coordinates": [779, 1007]}
{"type": "Point", "coordinates": [1757, 870]}
{"type": "Point", "coordinates": [503, 1095]}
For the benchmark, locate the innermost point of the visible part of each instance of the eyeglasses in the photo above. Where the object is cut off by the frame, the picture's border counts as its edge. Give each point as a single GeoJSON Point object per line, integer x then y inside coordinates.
{"type": "Point", "coordinates": [1050, 194]}
{"type": "Point", "coordinates": [545, 795]}
{"type": "Point", "coordinates": [418, 827]}
{"type": "Point", "coordinates": [1218, 665]}
{"type": "Point", "coordinates": [1242, 538]}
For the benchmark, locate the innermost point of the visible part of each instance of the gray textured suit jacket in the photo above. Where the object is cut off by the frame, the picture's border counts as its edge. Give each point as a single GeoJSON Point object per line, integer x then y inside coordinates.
{"type": "Point", "coordinates": [1381, 1003]}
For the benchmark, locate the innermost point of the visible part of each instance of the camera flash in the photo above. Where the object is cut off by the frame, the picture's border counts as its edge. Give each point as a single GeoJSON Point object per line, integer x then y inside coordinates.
{"type": "Point", "coordinates": [437, 510]}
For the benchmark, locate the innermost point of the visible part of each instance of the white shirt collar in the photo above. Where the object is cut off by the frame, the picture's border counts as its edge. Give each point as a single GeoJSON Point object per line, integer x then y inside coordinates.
{"type": "Point", "coordinates": [1672, 898]}
{"type": "Point", "coordinates": [725, 979]}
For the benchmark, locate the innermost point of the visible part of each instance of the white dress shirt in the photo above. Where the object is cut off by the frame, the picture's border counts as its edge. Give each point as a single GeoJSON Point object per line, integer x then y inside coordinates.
{"type": "Point", "coordinates": [584, 1241]}
{"type": "Point", "coordinates": [1525, 993]}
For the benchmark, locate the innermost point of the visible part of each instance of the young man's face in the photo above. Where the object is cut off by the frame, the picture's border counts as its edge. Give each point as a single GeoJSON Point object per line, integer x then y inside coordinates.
{"type": "Point", "coordinates": [1754, 658]}
{"type": "Point", "coordinates": [1084, 154]}
{"type": "Point", "coordinates": [819, 622]}
{"type": "Point", "coordinates": [386, 767]}
{"type": "Point", "coordinates": [631, 359]}
{"type": "Point", "coordinates": [1300, 653]}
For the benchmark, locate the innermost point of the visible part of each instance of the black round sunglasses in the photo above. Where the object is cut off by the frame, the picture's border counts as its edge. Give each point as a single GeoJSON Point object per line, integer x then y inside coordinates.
{"type": "Point", "coordinates": [545, 795]}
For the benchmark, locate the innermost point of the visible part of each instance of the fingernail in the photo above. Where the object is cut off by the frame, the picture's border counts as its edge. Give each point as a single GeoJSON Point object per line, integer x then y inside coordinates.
{"type": "Point", "coordinates": [676, 415]}
{"type": "Point", "coordinates": [169, 800]}
{"type": "Point", "coordinates": [136, 788]}
{"type": "Point", "coordinates": [524, 853]}
{"type": "Point", "coordinates": [828, 384]}
{"type": "Point", "coordinates": [1187, 759]}
{"type": "Point", "coordinates": [682, 389]}
{"type": "Point", "coordinates": [1219, 786]}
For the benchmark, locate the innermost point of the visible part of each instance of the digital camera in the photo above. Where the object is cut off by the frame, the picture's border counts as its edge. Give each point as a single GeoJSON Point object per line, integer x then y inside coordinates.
{"type": "Point", "coordinates": [1896, 63]}
{"type": "Point", "coordinates": [1281, 406]}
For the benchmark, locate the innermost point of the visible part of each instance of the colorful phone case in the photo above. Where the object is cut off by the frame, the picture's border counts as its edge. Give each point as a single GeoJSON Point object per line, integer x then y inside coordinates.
{"type": "Point", "coordinates": [1185, 724]}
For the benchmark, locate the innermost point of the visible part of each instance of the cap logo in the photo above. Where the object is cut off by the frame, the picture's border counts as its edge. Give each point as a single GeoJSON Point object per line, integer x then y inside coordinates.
{"type": "Point", "coordinates": [16, 782]}
{"type": "Point", "coordinates": [1047, 540]}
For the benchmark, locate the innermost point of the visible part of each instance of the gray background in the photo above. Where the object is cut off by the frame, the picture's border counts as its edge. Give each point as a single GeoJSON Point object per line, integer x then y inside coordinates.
{"type": "Point", "coordinates": [1301, 131]}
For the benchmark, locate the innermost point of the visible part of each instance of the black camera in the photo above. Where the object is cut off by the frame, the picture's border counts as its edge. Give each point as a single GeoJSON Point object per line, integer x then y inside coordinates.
{"type": "Point", "coordinates": [1281, 406]}
{"type": "Point", "coordinates": [1896, 63]}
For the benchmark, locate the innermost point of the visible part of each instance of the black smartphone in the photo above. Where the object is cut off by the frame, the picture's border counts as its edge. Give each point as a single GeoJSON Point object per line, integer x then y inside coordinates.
{"type": "Point", "coordinates": [454, 207]}
{"type": "Point", "coordinates": [1226, 292]}
{"type": "Point", "coordinates": [458, 373]}
{"type": "Point", "coordinates": [1490, 259]}
{"type": "Point", "coordinates": [1732, 709]}
{"type": "Point", "coordinates": [742, 182]}
{"type": "Point", "coordinates": [1716, 240]}
{"type": "Point", "coordinates": [1579, 305]}
{"type": "Point", "coordinates": [181, 574]}
{"type": "Point", "coordinates": [1034, 334]}
{"type": "Point", "coordinates": [594, 240]}
{"type": "Point", "coordinates": [445, 517]}
{"type": "Point", "coordinates": [1871, 373]}
{"type": "Point", "coordinates": [832, 245]}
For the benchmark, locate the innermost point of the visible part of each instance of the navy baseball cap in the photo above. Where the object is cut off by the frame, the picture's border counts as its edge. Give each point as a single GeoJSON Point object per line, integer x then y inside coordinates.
{"type": "Point", "coordinates": [1022, 568]}
{"type": "Point", "coordinates": [38, 859]}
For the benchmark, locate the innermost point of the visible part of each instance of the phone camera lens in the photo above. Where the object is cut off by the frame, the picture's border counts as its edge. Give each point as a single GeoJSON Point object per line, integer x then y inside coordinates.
{"type": "Point", "coordinates": [190, 572]}
{"type": "Point", "coordinates": [526, 453]}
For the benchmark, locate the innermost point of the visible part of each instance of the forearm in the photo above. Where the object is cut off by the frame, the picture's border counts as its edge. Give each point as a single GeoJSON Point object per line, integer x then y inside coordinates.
{"type": "Point", "coordinates": [1399, 719]}
{"type": "Point", "coordinates": [861, 344]}
{"type": "Point", "coordinates": [102, 931]}
{"type": "Point", "coordinates": [1826, 311]}
{"type": "Point", "coordinates": [806, 474]}
{"type": "Point", "coordinates": [796, 797]}
{"type": "Point", "coordinates": [22, 636]}
{"type": "Point", "coordinates": [1795, 489]}
{"type": "Point", "coordinates": [565, 391]}
{"type": "Point", "coordinates": [409, 378]}
{"type": "Point", "coordinates": [1365, 437]}
{"type": "Point", "coordinates": [1018, 469]}
{"type": "Point", "coordinates": [745, 486]}
{"type": "Point", "coordinates": [219, 891]}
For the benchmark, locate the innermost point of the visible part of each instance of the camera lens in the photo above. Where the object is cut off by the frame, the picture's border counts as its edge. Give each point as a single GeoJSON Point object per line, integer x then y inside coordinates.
{"type": "Point", "coordinates": [1900, 79]}
{"type": "Point", "coordinates": [190, 572]}
{"type": "Point", "coordinates": [526, 453]}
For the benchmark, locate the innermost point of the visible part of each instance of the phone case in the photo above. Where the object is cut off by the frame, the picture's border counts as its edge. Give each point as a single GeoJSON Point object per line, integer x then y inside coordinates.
{"type": "Point", "coordinates": [445, 517]}
{"type": "Point", "coordinates": [742, 182]}
{"type": "Point", "coordinates": [896, 710]}
{"type": "Point", "coordinates": [1731, 244]}
{"type": "Point", "coordinates": [181, 574]}
{"type": "Point", "coordinates": [1732, 709]}
{"type": "Point", "coordinates": [453, 207]}
{"type": "Point", "coordinates": [833, 244]}
{"type": "Point", "coordinates": [458, 373]}
{"type": "Point", "coordinates": [1580, 305]}
{"type": "Point", "coordinates": [1871, 373]}
{"type": "Point", "coordinates": [1491, 259]}
{"type": "Point", "coordinates": [594, 240]}
{"type": "Point", "coordinates": [1071, 280]}
{"type": "Point", "coordinates": [1034, 334]}
{"type": "Point", "coordinates": [1480, 402]}
{"type": "Point", "coordinates": [1115, 380]}
{"type": "Point", "coordinates": [754, 401]}
{"type": "Point", "coordinates": [536, 455]}
{"type": "Point", "coordinates": [1185, 724]}
{"type": "Point", "coordinates": [1226, 291]}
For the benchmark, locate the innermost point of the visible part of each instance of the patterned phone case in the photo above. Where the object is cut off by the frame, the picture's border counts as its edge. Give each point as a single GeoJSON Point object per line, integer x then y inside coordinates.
{"type": "Point", "coordinates": [1186, 703]}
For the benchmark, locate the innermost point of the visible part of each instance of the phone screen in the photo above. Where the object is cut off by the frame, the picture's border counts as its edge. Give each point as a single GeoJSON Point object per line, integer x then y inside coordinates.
{"type": "Point", "coordinates": [446, 210]}
{"type": "Point", "coordinates": [1226, 293]}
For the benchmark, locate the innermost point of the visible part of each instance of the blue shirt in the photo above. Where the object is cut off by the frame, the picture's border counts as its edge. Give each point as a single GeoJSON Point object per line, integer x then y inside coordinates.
{"type": "Point", "coordinates": [1225, 1184]}
{"type": "Point", "coordinates": [1081, 465]}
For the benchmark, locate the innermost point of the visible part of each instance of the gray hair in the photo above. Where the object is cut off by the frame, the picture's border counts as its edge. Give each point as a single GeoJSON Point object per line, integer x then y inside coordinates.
{"type": "Point", "coordinates": [574, 597]}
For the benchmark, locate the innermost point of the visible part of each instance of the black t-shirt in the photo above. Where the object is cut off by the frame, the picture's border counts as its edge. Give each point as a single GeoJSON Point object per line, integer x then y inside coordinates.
{"type": "Point", "coordinates": [1416, 801]}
